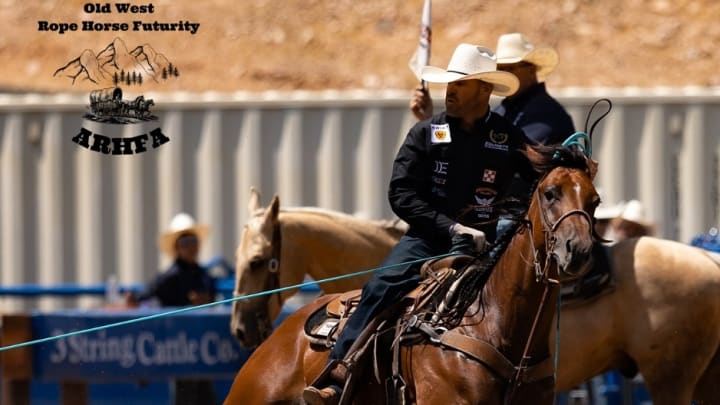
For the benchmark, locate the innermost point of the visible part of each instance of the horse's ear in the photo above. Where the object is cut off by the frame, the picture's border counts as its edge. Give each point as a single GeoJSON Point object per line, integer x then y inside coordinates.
{"type": "Point", "coordinates": [274, 209]}
{"type": "Point", "coordinates": [593, 168]}
{"type": "Point", "coordinates": [254, 203]}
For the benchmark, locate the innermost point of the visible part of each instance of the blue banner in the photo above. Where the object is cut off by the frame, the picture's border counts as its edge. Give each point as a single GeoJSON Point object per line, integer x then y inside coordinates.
{"type": "Point", "coordinates": [197, 344]}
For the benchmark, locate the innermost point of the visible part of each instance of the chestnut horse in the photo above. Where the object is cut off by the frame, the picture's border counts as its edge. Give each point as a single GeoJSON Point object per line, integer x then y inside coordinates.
{"type": "Point", "coordinates": [512, 312]}
{"type": "Point", "coordinates": [279, 247]}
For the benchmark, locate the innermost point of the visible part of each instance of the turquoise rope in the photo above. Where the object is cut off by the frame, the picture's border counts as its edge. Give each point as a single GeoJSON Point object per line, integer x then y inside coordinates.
{"type": "Point", "coordinates": [573, 140]}
{"type": "Point", "coordinates": [225, 301]}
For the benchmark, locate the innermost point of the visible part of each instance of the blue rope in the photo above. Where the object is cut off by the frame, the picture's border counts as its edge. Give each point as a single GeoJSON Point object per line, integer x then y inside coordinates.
{"type": "Point", "coordinates": [229, 300]}
{"type": "Point", "coordinates": [585, 146]}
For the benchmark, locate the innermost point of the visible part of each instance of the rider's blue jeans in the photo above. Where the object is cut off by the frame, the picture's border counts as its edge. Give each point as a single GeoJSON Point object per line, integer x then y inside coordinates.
{"type": "Point", "coordinates": [386, 288]}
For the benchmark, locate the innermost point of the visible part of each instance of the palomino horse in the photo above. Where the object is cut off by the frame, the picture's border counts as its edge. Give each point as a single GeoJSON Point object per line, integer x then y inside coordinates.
{"type": "Point", "coordinates": [279, 247]}
{"type": "Point", "coordinates": [662, 318]}
{"type": "Point", "coordinates": [512, 312]}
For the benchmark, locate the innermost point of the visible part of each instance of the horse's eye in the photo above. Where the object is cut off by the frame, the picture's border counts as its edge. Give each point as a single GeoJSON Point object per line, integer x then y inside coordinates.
{"type": "Point", "coordinates": [549, 194]}
{"type": "Point", "coordinates": [256, 263]}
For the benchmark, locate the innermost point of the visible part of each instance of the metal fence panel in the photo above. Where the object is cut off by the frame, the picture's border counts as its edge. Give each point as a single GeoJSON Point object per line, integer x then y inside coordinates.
{"type": "Point", "coordinates": [68, 214]}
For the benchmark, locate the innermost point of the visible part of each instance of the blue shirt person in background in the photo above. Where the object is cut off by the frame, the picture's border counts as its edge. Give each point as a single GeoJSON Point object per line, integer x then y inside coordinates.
{"type": "Point", "coordinates": [540, 116]}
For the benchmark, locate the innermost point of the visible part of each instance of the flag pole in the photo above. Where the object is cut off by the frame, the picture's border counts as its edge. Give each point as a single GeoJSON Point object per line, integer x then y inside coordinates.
{"type": "Point", "coordinates": [426, 35]}
{"type": "Point", "coordinates": [421, 57]}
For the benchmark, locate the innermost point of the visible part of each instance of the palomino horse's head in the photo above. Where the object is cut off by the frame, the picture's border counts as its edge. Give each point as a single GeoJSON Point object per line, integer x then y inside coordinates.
{"type": "Point", "coordinates": [257, 269]}
{"type": "Point", "coordinates": [565, 199]}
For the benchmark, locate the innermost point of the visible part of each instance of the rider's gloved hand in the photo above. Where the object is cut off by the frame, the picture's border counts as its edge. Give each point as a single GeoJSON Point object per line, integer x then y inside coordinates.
{"type": "Point", "coordinates": [478, 237]}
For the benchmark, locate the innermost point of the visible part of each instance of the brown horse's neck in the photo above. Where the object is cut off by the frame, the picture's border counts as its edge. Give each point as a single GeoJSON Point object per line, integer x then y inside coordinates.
{"type": "Point", "coordinates": [323, 246]}
{"type": "Point", "coordinates": [513, 288]}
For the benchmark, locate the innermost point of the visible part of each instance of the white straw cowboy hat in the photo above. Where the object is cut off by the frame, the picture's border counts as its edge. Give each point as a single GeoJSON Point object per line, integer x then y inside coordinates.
{"type": "Point", "coordinates": [473, 62]}
{"type": "Point", "coordinates": [609, 211]}
{"type": "Point", "coordinates": [514, 48]}
{"type": "Point", "coordinates": [635, 212]}
{"type": "Point", "coordinates": [181, 224]}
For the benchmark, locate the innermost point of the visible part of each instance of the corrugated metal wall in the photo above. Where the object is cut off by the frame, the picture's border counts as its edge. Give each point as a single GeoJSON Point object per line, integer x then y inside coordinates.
{"type": "Point", "coordinates": [68, 214]}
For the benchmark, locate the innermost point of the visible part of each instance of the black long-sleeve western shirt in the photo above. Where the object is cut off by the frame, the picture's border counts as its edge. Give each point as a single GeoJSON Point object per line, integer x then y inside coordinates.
{"type": "Point", "coordinates": [444, 174]}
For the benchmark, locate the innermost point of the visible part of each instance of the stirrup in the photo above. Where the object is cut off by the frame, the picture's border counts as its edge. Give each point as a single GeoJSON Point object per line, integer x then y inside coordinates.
{"type": "Point", "coordinates": [331, 373]}
{"type": "Point", "coordinates": [321, 396]}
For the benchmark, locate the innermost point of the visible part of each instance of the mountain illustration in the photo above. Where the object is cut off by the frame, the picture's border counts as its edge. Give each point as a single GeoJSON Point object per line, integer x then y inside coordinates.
{"type": "Point", "coordinates": [116, 61]}
{"type": "Point", "coordinates": [85, 67]}
{"type": "Point", "coordinates": [148, 56]}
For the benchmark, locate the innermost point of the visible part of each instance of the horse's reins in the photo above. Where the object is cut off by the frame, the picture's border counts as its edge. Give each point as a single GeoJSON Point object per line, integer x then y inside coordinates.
{"type": "Point", "coordinates": [541, 273]}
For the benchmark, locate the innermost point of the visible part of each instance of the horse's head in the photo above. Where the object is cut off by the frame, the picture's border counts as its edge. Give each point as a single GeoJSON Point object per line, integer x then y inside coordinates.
{"type": "Point", "coordinates": [257, 269]}
{"type": "Point", "coordinates": [565, 201]}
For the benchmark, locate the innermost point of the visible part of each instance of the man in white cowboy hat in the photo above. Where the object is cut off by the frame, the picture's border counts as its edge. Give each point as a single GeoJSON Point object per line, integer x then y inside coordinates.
{"type": "Point", "coordinates": [632, 222]}
{"type": "Point", "coordinates": [605, 215]}
{"type": "Point", "coordinates": [185, 283]}
{"type": "Point", "coordinates": [446, 177]}
{"type": "Point", "coordinates": [531, 108]}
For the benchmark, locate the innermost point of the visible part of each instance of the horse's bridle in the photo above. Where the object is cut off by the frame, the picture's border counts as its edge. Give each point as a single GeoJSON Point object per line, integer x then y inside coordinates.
{"type": "Point", "coordinates": [549, 229]}
{"type": "Point", "coordinates": [273, 263]}
{"type": "Point", "coordinates": [272, 282]}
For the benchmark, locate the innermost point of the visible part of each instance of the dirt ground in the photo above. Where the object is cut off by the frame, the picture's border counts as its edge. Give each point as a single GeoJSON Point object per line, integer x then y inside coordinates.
{"type": "Point", "coordinates": [256, 45]}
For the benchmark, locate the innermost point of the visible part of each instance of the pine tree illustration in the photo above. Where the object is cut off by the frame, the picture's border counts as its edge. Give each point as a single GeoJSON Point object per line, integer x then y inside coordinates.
{"type": "Point", "coordinates": [116, 79]}
{"type": "Point", "coordinates": [134, 77]}
{"type": "Point", "coordinates": [164, 74]}
{"type": "Point", "coordinates": [139, 79]}
{"type": "Point", "coordinates": [175, 72]}
{"type": "Point", "coordinates": [127, 80]}
{"type": "Point", "coordinates": [170, 68]}
{"type": "Point", "coordinates": [122, 75]}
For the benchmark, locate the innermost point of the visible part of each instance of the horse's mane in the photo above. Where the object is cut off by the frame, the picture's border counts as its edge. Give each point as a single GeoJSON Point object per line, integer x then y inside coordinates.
{"type": "Point", "coordinates": [545, 158]}
{"type": "Point", "coordinates": [394, 227]}
{"type": "Point", "coordinates": [469, 282]}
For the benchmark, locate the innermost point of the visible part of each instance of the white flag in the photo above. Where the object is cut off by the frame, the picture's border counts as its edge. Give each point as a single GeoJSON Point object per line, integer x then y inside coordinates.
{"type": "Point", "coordinates": [421, 57]}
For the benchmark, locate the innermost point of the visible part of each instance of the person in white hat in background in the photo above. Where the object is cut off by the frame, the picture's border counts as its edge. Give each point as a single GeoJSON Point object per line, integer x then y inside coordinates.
{"type": "Point", "coordinates": [446, 176]}
{"type": "Point", "coordinates": [185, 283]}
{"type": "Point", "coordinates": [632, 222]}
{"type": "Point", "coordinates": [605, 215]}
{"type": "Point", "coordinates": [531, 108]}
